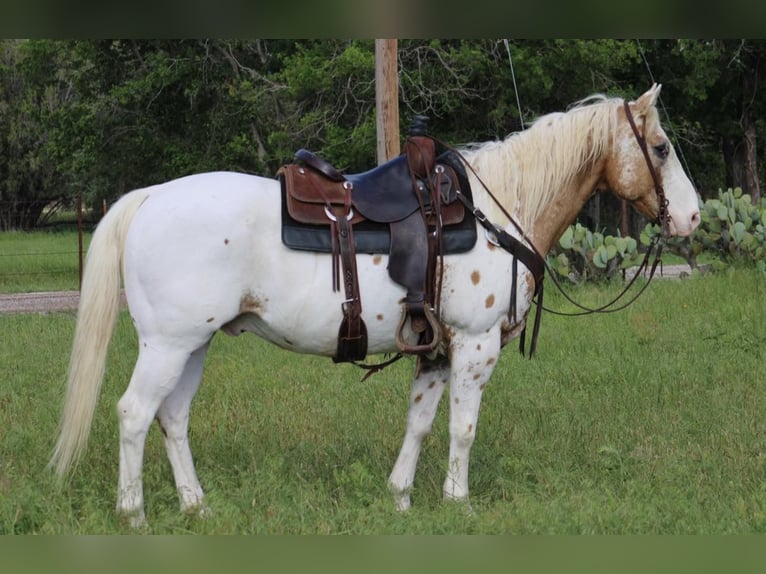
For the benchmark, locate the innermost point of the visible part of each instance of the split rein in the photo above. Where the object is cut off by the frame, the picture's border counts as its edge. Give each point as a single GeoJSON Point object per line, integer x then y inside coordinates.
{"type": "Point", "coordinates": [503, 239]}
{"type": "Point", "coordinates": [655, 244]}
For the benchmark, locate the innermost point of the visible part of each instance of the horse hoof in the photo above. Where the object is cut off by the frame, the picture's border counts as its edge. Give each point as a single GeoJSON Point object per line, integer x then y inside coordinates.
{"type": "Point", "coordinates": [198, 510]}
{"type": "Point", "coordinates": [402, 502]}
{"type": "Point", "coordinates": [204, 511]}
{"type": "Point", "coordinates": [135, 520]}
{"type": "Point", "coordinates": [460, 503]}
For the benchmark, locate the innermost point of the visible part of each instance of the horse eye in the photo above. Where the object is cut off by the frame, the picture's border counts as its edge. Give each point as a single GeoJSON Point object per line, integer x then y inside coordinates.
{"type": "Point", "coordinates": [662, 150]}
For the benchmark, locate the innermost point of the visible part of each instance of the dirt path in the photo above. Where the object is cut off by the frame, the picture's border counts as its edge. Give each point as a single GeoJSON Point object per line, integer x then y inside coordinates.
{"type": "Point", "coordinates": [42, 302]}
{"type": "Point", "coordinates": [665, 272]}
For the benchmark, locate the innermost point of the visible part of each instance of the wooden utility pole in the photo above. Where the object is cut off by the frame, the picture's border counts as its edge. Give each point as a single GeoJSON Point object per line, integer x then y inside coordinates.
{"type": "Point", "coordinates": [387, 99]}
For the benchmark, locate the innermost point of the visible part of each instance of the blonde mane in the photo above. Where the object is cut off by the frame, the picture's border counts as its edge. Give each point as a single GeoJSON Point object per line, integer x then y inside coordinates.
{"type": "Point", "coordinates": [527, 169]}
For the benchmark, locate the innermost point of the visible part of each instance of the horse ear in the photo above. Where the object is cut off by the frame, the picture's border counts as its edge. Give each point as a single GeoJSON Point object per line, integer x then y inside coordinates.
{"type": "Point", "coordinates": [648, 99]}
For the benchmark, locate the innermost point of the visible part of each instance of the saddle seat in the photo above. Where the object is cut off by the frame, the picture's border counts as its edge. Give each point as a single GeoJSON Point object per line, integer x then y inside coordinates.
{"type": "Point", "coordinates": [383, 194]}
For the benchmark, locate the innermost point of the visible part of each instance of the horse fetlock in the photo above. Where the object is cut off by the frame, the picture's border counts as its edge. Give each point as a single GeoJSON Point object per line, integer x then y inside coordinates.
{"type": "Point", "coordinates": [192, 502]}
{"type": "Point", "coordinates": [456, 483]}
{"type": "Point", "coordinates": [401, 496]}
{"type": "Point", "coordinates": [130, 499]}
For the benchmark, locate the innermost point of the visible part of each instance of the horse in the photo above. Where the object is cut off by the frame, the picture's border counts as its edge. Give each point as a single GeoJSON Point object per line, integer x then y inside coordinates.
{"type": "Point", "coordinates": [203, 253]}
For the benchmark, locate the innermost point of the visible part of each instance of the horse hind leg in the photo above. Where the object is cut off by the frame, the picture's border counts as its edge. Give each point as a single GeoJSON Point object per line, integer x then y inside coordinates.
{"type": "Point", "coordinates": [173, 418]}
{"type": "Point", "coordinates": [156, 374]}
{"type": "Point", "coordinates": [427, 389]}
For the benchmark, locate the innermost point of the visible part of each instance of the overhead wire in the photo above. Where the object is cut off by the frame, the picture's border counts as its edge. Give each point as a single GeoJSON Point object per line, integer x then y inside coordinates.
{"type": "Point", "coordinates": [677, 139]}
{"type": "Point", "coordinates": [513, 77]}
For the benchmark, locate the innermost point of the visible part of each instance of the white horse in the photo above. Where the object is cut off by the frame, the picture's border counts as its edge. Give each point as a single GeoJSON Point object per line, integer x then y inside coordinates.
{"type": "Point", "coordinates": [203, 253]}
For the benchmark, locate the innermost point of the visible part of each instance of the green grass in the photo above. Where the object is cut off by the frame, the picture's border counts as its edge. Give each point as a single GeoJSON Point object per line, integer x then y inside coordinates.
{"type": "Point", "coordinates": [39, 261]}
{"type": "Point", "coordinates": [650, 420]}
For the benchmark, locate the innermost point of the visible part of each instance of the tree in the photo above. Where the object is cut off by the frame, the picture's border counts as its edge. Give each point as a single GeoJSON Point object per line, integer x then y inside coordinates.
{"type": "Point", "coordinates": [102, 117]}
{"type": "Point", "coordinates": [39, 109]}
{"type": "Point", "coordinates": [712, 90]}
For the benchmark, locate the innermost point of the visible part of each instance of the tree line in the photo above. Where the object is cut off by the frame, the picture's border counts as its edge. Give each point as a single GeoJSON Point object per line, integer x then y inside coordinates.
{"type": "Point", "coordinates": [102, 117]}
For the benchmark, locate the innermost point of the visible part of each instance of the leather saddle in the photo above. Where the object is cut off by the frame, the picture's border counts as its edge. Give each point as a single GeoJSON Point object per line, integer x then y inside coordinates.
{"type": "Point", "coordinates": [384, 194]}
{"type": "Point", "coordinates": [406, 203]}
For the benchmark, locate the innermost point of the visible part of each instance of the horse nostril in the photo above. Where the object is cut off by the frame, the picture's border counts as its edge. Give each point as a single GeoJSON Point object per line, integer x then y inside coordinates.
{"type": "Point", "coordinates": [695, 219]}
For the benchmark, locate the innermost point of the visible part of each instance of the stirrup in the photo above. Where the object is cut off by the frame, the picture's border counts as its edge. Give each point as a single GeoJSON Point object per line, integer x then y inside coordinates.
{"type": "Point", "coordinates": [427, 348]}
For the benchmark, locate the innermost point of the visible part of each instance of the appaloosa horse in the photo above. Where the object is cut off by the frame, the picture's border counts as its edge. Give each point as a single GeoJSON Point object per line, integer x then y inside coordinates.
{"type": "Point", "coordinates": [203, 253]}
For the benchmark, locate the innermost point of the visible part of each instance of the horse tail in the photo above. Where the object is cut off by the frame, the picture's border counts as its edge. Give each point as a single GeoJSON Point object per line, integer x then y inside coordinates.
{"type": "Point", "coordinates": [96, 319]}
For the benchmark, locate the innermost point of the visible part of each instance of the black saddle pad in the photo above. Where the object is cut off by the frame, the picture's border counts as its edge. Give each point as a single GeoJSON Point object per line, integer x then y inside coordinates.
{"type": "Point", "coordinates": [371, 237]}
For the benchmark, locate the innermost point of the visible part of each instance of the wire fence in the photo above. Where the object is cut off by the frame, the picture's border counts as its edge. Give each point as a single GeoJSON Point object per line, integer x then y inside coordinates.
{"type": "Point", "coordinates": [54, 270]}
{"type": "Point", "coordinates": [7, 262]}
{"type": "Point", "coordinates": [39, 261]}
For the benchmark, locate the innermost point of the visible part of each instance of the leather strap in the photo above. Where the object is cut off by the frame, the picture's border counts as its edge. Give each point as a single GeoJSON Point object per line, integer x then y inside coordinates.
{"type": "Point", "coordinates": [314, 161]}
{"type": "Point", "coordinates": [662, 214]}
{"type": "Point", "coordinates": [352, 335]}
{"type": "Point", "coordinates": [531, 260]}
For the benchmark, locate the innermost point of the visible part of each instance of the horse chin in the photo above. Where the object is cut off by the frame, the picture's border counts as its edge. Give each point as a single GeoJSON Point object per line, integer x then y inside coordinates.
{"type": "Point", "coordinates": [676, 231]}
{"type": "Point", "coordinates": [649, 210]}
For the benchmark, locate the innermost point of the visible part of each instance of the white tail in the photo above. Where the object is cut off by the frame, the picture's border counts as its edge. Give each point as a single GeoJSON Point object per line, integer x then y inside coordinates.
{"type": "Point", "coordinates": [96, 319]}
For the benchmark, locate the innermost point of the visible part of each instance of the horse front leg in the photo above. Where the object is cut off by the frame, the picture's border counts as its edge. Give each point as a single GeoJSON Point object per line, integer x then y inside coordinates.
{"type": "Point", "coordinates": [427, 388]}
{"type": "Point", "coordinates": [473, 361]}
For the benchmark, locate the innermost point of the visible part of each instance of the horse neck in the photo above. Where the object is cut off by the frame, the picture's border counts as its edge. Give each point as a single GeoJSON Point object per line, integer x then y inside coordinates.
{"type": "Point", "coordinates": [544, 216]}
{"type": "Point", "coordinates": [563, 209]}
{"type": "Point", "coordinates": [543, 176]}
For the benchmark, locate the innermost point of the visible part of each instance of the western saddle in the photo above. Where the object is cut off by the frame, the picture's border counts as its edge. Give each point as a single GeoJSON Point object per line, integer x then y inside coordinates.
{"type": "Point", "coordinates": [413, 197]}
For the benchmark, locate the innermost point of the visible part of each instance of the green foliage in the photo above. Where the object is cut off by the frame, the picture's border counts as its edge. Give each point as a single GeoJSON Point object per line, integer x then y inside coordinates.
{"type": "Point", "coordinates": [103, 117]}
{"type": "Point", "coordinates": [582, 255]}
{"type": "Point", "coordinates": [732, 229]}
{"type": "Point", "coordinates": [331, 108]}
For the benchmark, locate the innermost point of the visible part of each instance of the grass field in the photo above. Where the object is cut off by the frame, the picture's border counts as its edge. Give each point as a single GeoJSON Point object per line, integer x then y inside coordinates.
{"type": "Point", "coordinates": [650, 420]}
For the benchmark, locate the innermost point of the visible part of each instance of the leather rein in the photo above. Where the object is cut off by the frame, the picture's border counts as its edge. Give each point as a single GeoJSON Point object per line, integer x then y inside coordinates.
{"type": "Point", "coordinates": [528, 254]}
{"type": "Point", "coordinates": [537, 263]}
{"type": "Point", "coordinates": [663, 219]}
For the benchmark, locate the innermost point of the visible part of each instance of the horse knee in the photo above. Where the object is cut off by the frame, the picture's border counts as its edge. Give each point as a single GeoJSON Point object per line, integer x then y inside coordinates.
{"type": "Point", "coordinates": [463, 435]}
{"type": "Point", "coordinates": [420, 427]}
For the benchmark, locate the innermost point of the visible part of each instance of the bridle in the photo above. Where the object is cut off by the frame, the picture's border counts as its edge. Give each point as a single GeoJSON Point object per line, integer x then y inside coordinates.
{"type": "Point", "coordinates": [526, 252]}
{"type": "Point", "coordinates": [655, 246]}
{"type": "Point", "coordinates": [662, 215]}
{"type": "Point", "coordinates": [535, 261]}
